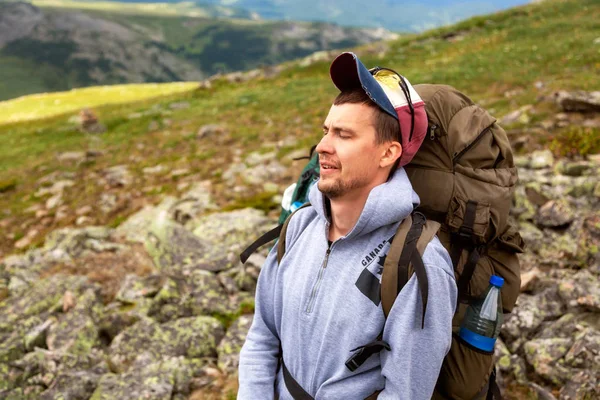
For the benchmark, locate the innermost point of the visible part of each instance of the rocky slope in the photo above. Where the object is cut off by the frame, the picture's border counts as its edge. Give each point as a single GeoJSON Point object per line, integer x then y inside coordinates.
{"type": "Point", "coordinates": [64, 48]}
{"type": "Point", "coordinates": [159, 307]}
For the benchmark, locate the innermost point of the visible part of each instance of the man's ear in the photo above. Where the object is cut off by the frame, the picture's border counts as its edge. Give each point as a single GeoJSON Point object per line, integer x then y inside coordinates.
{"type": "Point", "coordinates": [392, 152]}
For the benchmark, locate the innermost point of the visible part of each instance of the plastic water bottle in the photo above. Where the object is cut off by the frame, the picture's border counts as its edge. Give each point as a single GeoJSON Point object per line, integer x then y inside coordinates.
{"type": "Point", "coordinates": [483, 319]}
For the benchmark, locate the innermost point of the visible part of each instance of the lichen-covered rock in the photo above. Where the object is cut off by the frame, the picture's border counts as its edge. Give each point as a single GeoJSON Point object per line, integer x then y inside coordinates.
{"type": "Point", "coordinates": [585, 352]}
{"type": "Point", "coordinates": [82, 241]}
{"type": "Point", "coordinates": [135, 287]}
{"type": "Point", "coordinates": [117, 316]}
{"type": "Point", "coordinates": [117, 176]}
{"type": "Point", "coordinates": [72, 385]}
{"type": "Point", "coordinates": [236, 279]}
{"type": "Point", "coordinates": [199, 294]}
{"type": "Point", "coordinates": [175, 250]}
{"type": "Point", "coordinates": [230, 346]}
{"type": "Point", "coordinates": [569, 325]}
{"type": "Point", "coordinates": [508, 364]}
{"type": "Point", "coordinates": [29, 392]}
{"type": "Point", "coordinates": [66, 375]}
{"type": "Point", "coordinates": [20, 315]}
{"type": "Point", "coordinates": [137, 227]}
{"type": "Point", "coordinates": [531, 311]}
{"type": "Point", "coordinates": [558, 250]}
{"type": "Point", "coordinates": [76, 331]}
{"type": "Point", "coordinates": [192, 205]}
{"type": "Point", "coordinates": [21, 271]}
{"type": "Point", "coordinates": [581, 291]}
{"type": "Point", "coordinates": [584, 385]}
{"type": "Point", "coordinates": [555, 214]}
{"type": "Point", "coordinates": [523, 209]}
{"type": "Point", "coordinates": [573, 168]}
{"type": "Point", "coordinates": [227, 234]}
{"type": "Point", "coordinates": [164, 379]}
{"type": "Point", "coordinates": [36, 337]}
{"type": "Point", "coordinates": [193, 337]}
{"type": "Point", "coordinates": [544, 355]}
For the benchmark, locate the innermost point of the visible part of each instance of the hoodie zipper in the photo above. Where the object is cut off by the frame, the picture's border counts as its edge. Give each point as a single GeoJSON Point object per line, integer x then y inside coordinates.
{"type": "Point", "coordinates": [315, 288]}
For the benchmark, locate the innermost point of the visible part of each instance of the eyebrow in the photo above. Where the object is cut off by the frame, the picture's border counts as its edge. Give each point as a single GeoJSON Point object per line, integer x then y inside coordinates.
{"type": "Point", "coordinates": [339, 128]}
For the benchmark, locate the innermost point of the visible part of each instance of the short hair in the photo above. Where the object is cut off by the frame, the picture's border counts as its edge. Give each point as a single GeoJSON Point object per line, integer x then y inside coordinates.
{"type": "Point", "coordinates": [387, 127]}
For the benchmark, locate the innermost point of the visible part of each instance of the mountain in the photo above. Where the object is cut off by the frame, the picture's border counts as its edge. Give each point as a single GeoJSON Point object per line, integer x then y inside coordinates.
{"type": "Point", "coordinates": [395, 15]}
{"type": "Point", "coordinates": [58, 48]}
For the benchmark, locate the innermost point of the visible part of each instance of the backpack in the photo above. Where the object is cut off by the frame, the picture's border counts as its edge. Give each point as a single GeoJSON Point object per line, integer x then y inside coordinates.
{"type": "Point", "coordinates": [465, 177]}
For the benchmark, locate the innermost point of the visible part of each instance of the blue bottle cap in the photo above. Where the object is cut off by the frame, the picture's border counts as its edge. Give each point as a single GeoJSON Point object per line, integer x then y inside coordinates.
{"type": "Point", "coordinates": [295, 205]}
{"type": "Point", "coordinates": [497, 281]}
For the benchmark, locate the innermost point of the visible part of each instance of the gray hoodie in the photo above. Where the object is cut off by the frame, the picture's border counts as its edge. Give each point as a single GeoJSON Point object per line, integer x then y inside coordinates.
{"type": "Point", "coordinates": [321, 302]}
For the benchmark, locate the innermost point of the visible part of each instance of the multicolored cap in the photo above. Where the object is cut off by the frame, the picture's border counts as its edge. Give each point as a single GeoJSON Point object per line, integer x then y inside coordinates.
{"type": "Point", "coordinates": [392, 92]}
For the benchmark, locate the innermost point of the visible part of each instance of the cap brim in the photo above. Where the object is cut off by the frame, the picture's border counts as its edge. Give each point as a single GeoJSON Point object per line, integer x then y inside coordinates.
{"type": "Point", "coordinates": [348, 72]}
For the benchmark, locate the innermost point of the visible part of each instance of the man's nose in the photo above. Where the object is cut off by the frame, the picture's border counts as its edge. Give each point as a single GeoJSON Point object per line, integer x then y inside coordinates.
{"type": "Point", "coordinates": [324, 145]}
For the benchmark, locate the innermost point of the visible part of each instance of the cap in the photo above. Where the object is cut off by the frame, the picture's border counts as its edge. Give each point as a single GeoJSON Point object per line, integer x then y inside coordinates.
{"type": "Point", "coordinates": [496, 281]}
{"type": "Point", "coordinates": [392, 92]}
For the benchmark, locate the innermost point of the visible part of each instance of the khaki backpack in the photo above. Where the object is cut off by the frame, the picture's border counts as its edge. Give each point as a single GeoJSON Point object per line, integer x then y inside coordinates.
{"type": "Point", "coordinates": [465, 176]}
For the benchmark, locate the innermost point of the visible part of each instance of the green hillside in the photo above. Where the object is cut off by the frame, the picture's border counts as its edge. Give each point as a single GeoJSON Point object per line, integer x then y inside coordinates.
{"type": "Point", "coordinates": [54, 45]}
{"type": "Point", "coordinates": [504, 61]}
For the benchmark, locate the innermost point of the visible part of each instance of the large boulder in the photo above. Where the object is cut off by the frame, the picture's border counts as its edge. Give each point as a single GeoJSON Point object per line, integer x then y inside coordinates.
{"type": "Point", "coordinates": [193, 337]}
{"type": "Point", "coordinates": [529, 314]}
{"type": "Point", "coordinates": [138, 226]}
{"type": "Point", "coordinates": [76, 331]}
{"type": "Point", "coordinates": [199, 294]}
{"type": "Point", "coordinates": [545, 355]}
{"type": "Point", "coordinates": [160, 380]}
{"type": "Point", "coordinates": [230, 346]}
{"type": "Point", "coordinates": [20, 315]}
{"type": "Point", "coordinates": [583, 290]}
{"type": "Point", "coordinates": [227, 234]}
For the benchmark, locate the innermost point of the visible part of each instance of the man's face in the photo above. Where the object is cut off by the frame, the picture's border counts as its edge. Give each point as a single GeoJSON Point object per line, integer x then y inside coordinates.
{"type": "Point", "coordinates": [348, 154]}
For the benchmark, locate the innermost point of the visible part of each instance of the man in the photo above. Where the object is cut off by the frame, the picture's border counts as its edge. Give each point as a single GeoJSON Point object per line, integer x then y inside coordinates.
{"type": "Point", "coordinates": [314, 308]}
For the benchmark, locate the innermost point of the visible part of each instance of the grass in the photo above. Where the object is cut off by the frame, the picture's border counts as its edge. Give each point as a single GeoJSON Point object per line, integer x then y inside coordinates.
{"type": "Point", "coordinates": [551, 42]}
{"type": "Point", "coordinates": [39, 106]}
{"type": "Point", "coordinates": [189, 9]}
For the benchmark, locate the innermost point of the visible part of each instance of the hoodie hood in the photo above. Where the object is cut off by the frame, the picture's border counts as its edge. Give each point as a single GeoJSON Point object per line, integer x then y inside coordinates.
{"type": "Point", "coordinates": [395, 197]}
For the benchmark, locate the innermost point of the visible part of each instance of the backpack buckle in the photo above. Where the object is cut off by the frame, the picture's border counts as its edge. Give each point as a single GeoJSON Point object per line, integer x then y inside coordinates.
{"type": "Point", "coordinates": [363, 352]}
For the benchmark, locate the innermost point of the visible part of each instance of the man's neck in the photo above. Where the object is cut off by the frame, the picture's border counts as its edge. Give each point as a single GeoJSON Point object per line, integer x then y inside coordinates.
{"type": "Point", "coordinates": [345, 213]}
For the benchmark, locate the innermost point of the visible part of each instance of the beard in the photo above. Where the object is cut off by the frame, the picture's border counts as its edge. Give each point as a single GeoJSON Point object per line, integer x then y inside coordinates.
{"type": "Point", "coordinates": [334, 188]}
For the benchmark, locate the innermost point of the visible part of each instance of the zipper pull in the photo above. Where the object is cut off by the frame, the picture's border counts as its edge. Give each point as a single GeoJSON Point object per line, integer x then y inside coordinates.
{"type": "Point", "coordinates": [432, 129]}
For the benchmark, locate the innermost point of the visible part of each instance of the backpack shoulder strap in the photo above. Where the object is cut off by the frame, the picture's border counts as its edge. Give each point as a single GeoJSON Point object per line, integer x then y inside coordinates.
{"type": "Point", "coordinates": [282, 234]}
{"type": "Point", "coordinates": [414, 233]}
{"type": "Point", "coordinates": [278, 232]}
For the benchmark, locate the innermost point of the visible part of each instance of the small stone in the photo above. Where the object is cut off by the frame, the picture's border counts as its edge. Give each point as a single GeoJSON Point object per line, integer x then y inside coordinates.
{"type": "Point", "coordinates": [555, 214]}
{"type": "Point", "coordinates": [529, 279]}
{"type": "Point", "coordinates": [26, 240]}
{"type": "Point", "coordinates": [179, 172]}
{"type": "Point", "coordinates": [68, 301]}
{"type": "Point", "coordinates": [211, 130]}
{"type": "Point", "coordinates": [153, 126]}
{"type": "Point", "coordinates": [542, 159]}
{"type": "Point", "coordinates": [54, 201]}
{"type": "Point", "coordinates": [182, 105]}
{"type": "Point", "coordinates": [536, 194]}
{"type": "Point", "coordinates": [84, 210]}
{"type": "Point", "coordinates": [83, 220]}
{"type": "Point", "coordinates": [578, 101]}
{"type": "Point", "coordinates": [577, 168]}
{"type": "Point", "coordinates": [156, 170]}
{"type": "Point", "coordinates": [72, 157]}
